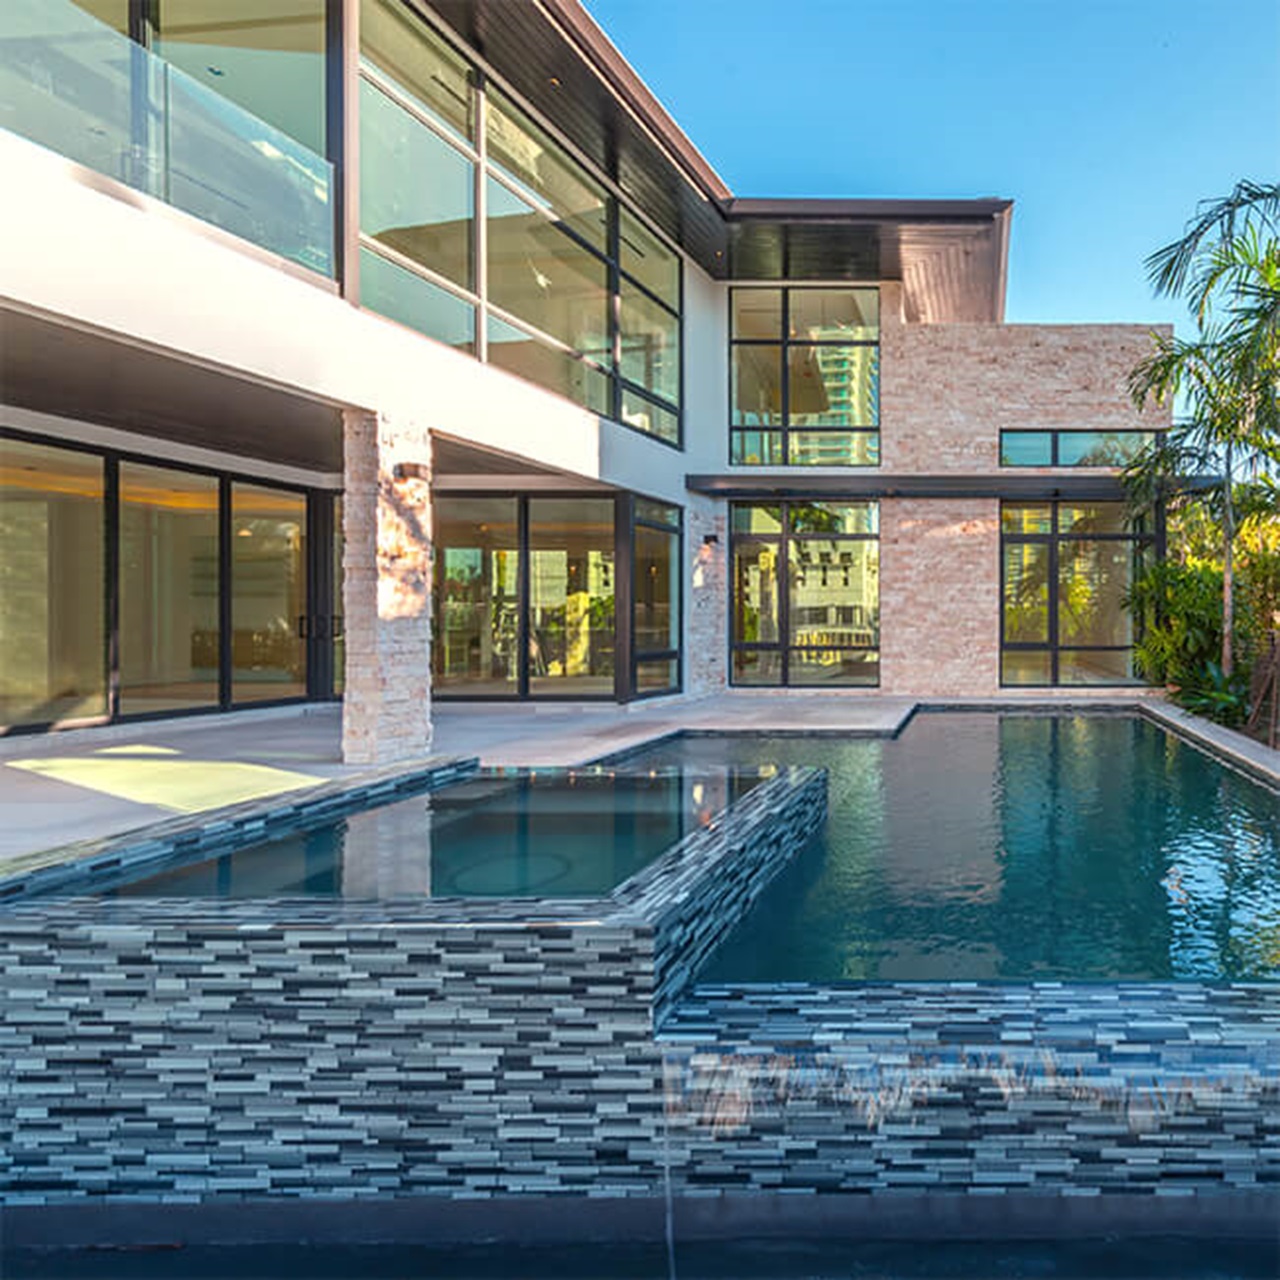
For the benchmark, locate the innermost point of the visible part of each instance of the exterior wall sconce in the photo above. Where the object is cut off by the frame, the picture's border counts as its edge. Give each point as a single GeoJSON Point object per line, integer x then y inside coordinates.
{"type": "Point", "coordinates": [711, 540]}
{"type": "Point", "coordinates": [411, 471]}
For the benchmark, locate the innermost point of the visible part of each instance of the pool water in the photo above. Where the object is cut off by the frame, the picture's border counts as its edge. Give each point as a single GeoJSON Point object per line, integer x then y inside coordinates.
{"type": "Point", "coordinates": [549, 833]}
{"type": "Point", "coordinates": [1013, 846]}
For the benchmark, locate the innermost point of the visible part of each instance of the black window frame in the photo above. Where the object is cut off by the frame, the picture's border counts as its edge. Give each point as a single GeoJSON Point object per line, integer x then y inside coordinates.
{"type": "Point", "coordinates": [784, 342]}
{"type": "Point", "coordinates": [319, 626]}
{"type": "Point", "coordinates": [1140, 540]}
{"type": "Point", "coordinates": [1055, 435]}
{"type": "Point", "coordinates": [781, 540]}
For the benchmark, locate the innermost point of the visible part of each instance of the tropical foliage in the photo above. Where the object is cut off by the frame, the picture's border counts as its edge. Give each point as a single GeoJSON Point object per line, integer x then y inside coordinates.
{"type": "Point", "coordinates": [1216, 467]}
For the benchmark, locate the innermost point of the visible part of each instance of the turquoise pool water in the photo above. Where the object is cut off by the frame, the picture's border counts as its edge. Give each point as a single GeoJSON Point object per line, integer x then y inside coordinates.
{"type": "Point", "coordinates": [993, 846]}
{"type": "Point", "coordinates": [545, 833]}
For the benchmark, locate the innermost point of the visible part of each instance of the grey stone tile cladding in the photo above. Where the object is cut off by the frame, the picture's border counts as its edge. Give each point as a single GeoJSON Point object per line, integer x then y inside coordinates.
{"type": "Point", "coordinates": [173, 1050]}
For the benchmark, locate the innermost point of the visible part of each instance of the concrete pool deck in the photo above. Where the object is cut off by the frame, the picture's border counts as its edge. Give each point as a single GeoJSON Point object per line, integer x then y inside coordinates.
{"type": "Point", "coordinates": [89, 784]}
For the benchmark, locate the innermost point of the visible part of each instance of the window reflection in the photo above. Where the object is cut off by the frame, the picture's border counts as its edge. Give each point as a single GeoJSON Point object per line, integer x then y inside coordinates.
{"type": "Point", "coordinates": [169, 589]}
{"type": "Point", "coordinates": [52, 618]}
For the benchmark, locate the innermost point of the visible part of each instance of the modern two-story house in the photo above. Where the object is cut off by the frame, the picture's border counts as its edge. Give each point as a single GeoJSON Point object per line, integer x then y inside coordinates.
{"type": "Point", "coordinates": [401, 350]}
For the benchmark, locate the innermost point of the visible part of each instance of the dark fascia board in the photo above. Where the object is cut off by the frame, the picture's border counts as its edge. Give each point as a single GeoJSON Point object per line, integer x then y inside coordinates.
{"type": "Point", "coordinates": [846, 211]}
{"type": "Point", "coordinates": [1009, 487]}
{"type": "Point", "coordinates": [1108, 488]}
{"type": "Point", "coordinates": [589, 39]}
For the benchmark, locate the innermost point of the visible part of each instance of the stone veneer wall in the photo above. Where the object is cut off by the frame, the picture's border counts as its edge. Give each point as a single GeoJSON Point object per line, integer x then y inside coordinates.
{"type": "Point", "coordinates": [172, 1050]}
{"type": "Point", "coordinates": [706, 600]}
{"type": "Point", "coordinates": [386, 595]}
{"type": "Point", "coordinates": [947, 390]}
{"type": "Point", "coordinates": [940, 596]}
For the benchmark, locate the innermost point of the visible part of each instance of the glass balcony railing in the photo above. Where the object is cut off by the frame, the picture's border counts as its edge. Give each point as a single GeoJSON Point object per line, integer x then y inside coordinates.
{"type": "Point", "coordinates": [91, 94]}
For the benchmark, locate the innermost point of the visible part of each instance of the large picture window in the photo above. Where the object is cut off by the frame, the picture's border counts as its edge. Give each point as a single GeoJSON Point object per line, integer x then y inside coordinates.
{"type": "Point", "coordinates": [536, 267]}
{"type": "Point", "coordinates": [1066, 568]}
{"type": "Point", "coordinates": [804, 373]}
{"type": "Point", "coordinates": [806, 593]}
{"type": "Point", "coordinates": [556, 597]}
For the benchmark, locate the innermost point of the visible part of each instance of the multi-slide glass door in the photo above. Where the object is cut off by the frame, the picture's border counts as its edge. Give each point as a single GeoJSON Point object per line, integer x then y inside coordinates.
{"type": "Point", "coordinates": [132, 588]}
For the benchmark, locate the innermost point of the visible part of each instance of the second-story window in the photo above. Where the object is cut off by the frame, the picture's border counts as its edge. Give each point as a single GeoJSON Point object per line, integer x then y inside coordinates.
{"type": "Point", "coordinates": [804, 377]}
{"type": "Point", "coordinates": [537, 267]}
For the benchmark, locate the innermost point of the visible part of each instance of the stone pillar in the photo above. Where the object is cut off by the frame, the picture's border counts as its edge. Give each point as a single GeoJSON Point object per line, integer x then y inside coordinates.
{"type": "Point", "coordinates": [386, 589]}
{"type": "Point", "coordinates": [706, 598]}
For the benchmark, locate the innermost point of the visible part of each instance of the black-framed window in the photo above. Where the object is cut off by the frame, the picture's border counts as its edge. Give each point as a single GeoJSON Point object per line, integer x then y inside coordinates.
{"type": "Point", "coordinates": [806, 593]}
{"type": "Point", "coordinates": [1065, 568]}
{"type": "Point", "coordinates": [804, 376]}
{"type": "Point", "coordinates": [136, 586]}
{"type": "Point", "coordinates": [555, 596]}
{"type": "Point", "coordinates": [655, 598]}
{"type": "Point", "coordinates": [1072, 448]}
{"type": "Point", "coordinates": [500, 242]}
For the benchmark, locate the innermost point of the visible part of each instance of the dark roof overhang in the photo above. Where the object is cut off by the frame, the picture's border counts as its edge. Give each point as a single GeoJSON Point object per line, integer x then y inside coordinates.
{"type": "Point", "coordinates": [949, 254]}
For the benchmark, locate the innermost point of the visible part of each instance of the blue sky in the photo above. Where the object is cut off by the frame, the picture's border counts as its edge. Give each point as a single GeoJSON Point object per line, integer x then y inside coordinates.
{"type": "Point", "coordinates": [1104, 120]}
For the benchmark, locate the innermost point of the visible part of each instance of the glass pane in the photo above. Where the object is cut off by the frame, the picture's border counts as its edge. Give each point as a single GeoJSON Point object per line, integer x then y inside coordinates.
{"type": "Point", "coordinates": [748, 519]}
{"type": "Point", "coordinates": [169, 567]}
{"type": "Point", "coordinates": [650, 344]}
{"type": "Point", "coordinates": [650, 418]}
{"type": "Point", "coordinates": [1099, 666]}
{"type": "Point", "coordinates": [407, 298]}
{"type": "Point", "coordinates": [757, 666]}
{"type": "Point", "coordinates": [757, 313]}
{"type": "Point", "coordinates": [1026, 592]}
{"type": "Point", "coordinates": [1101, 448]}
{"type": "Point", "coordinates": [571, 600]}
{"type": "Point", "coordinates": [657, 512]}
{"type": "Point", "coordinates": [115, 13]}
{"type": "Point", "coordinates": [1093, 578]}
{"type": "Point", "coordinates": [558, 371]}
{"type": "Point", "coordinates": [1097, 517]}
{"type": "Point", "coordinates": [477, 595]}
{"type": "Point", "coordinates": [531, 158]}
{"type": "Point", "coordinates": [835, 517]}
{"type": "Point", "coordinates": [647, 259]}
{"type": "Point", "coordinates": [337, 626]}
{"type": "Point", "coordinates": [268, 593]}
{"type": "Point", "coordinates": [416, 192]}
{"type": "Point", "coordinates": [834, 667]}
{"type": "Point", "coordinates": [657, 622]}
{"type": "Point", "coordinates": [52, 617]}
{"type": "Point", "coordinates": [544, 277]}
{"type": "Point", "coordinates": [755, 448]}
{"type": "Point", "coordinates": [834, 448]}
{"type": "Point", "coordinates": [757, 386]}
{"type": "Point", "coordinates": [1016, 517]}
{"type": "Point", "coordinates": [825, 315]}
{"type": "Point", "coordinates": [657, 677]}
{"type": "Point", "coordinates": [231, 169]}
{"type": "Point", "coordinates": [755, 593]}
{"type": "Point", "coordinates": [834, 386]}
{"type": "Point", "coordinates": [405, 48]}
{"type": "Point", "coordinates": [1026, 448]}
{"type": "Point", "coordinates": [265, 55]}
{"type": "Point", "coordinates": [834, 592]}
{"type": "Point", "coordinates": [1027, 668]}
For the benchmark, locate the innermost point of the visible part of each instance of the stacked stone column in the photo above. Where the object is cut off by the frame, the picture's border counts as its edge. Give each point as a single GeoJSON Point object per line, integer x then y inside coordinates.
{"type": "Point", "coordinates": [386, 588]}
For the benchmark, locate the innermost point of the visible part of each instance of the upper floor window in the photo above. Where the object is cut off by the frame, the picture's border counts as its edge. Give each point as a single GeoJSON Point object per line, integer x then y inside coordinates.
{"type": "Point", "coordinates": [537, 267]}
{"type": "Point", "coordinates": [1072, 448]}
{"type": "Point", "coordinates": [804, 377]}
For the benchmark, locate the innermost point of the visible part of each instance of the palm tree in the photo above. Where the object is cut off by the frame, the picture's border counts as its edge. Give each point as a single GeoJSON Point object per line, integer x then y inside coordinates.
{"type": "Point", "coordinates": [1228, 265]}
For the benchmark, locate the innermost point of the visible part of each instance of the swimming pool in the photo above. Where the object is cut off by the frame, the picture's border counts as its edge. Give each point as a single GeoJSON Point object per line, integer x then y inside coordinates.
{"type": "Point", "coordinates": [500, 833]}
{"type": "Point", "coordinates": [1012, 846]}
